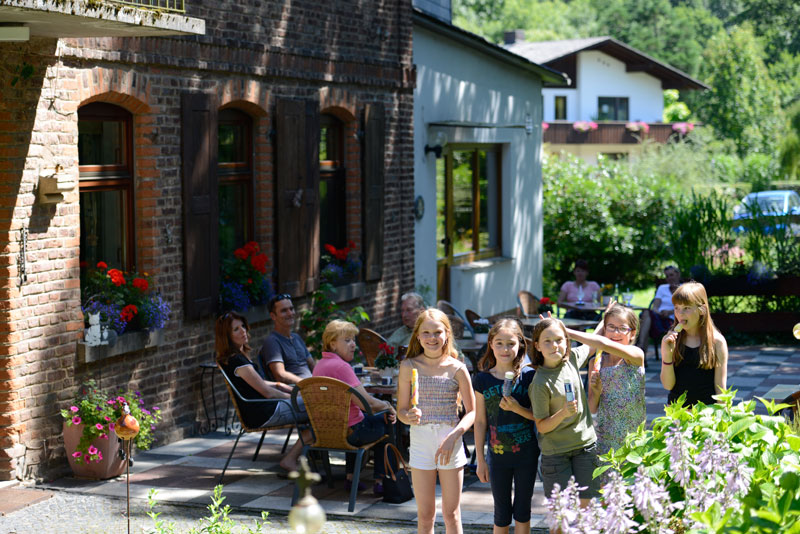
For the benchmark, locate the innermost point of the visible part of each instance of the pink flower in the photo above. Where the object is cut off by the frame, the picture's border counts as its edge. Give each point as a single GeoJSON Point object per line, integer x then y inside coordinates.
{"type": "Point", "coordinates": [103, 436]}
{"type": "Point", "coordinates": [110, 427]}
{"type": "Point", "coordinates": [76, 420]}
{"type": "Point", "coordinates": [98, 426]}
{"type": "Point", "coordinates": [73, 409]}
{"type": "Point", "coordinates": [76, 454]}
{"type": "Point", "coordinates": [92, 449]}
{"type": "Point", "coordinates": [87, 458]}
{"type": "Point", "coordinates": [107, 418]}
{"type": "Point", "coordinates": [120, 399]}
{"type": "Point", "coordinates": [99, 456]}
{"type": "Point", "coordinates": [545, 126]}
{"type": "Point", "coordinates": [111, 401]}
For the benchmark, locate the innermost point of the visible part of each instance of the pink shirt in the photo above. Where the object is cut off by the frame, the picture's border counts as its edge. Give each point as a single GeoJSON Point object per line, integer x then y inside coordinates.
{"type": "Point", "coordinates": [572, 291]}
{"type": "Point", "coordinates": [333, 366]}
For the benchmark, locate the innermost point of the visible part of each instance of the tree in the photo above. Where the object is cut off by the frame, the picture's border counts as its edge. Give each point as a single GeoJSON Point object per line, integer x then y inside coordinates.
{"type": "Point", "coordinates": [743, 103]}
{"type": "Point", "coordinates": [790, 145]}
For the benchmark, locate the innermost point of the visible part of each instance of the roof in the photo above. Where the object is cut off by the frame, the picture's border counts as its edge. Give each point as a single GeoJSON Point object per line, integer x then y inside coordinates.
{"type": "Point", "coordinates": [548, 75]}
{"type": "Point", "coordinates": [549, 52]}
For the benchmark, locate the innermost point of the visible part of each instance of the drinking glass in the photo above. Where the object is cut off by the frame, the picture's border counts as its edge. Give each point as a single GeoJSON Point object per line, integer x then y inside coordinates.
{"type": "Point", "coordinates": [627, 297]}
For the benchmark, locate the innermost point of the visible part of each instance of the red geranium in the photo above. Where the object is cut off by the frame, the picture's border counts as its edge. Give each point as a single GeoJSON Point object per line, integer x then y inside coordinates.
{"type": "Point", "coordinates": [116, 277]}
{"type": "Point", "coordinates": [386, 348]}
{"type": "Point", "coordinates": [330, 248]}
{"type": "Point", "coordinates": [251, 248]}
{"type": "Point", "coordinates": [128, 312]}
{"type": "Point", "coordinates": [140, 284]}
{"type": "Point", "coordinates": [259, 263]}
{"type": "Point", "coordinates": [545, 300]}
{"type": "Point", "coordinates": [240, 253]}
{"type": "Point", "coordinates": [102, 265]}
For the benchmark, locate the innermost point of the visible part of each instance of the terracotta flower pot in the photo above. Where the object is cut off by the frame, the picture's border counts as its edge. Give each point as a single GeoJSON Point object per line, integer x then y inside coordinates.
{"type": "Point", "coordinates": [109, 467]}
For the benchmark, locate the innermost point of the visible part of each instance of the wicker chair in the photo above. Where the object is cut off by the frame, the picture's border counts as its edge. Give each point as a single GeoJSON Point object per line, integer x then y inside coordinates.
{"type": "Point", "coordinates": [528, 304]}
{"type": "Point", "coordinates": [451, 310]}
{"type": "Point", "coordinates": [237, 398]}
{"type": "Point", "coordinates": [327, 402]}
{"type": "Point", "coordinates": [369, 342]}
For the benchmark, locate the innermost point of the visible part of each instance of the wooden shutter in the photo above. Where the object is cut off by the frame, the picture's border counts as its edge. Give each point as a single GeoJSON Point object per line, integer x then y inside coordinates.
{"type": "Point", "coordinates": [200, 204]}
{"type": "Point", "coordinates": [374, 156]}
{"type": "Point", "coordinates": [297, 198]}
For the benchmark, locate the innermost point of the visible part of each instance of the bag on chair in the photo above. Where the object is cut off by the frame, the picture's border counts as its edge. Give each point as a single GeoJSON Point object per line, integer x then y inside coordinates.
{"type": "Point", "coordinates": [396, 484]}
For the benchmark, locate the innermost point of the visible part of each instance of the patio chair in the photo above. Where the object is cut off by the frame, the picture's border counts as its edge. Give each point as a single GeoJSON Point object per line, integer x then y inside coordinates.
{"type": "Point", "coordinates": [793, 401]}
{"type": "Point", "coordinates": [472, 317]}
{"type": "Point", "coordinates": [528, 304]}
{"type": "Point", "coordinates": [449, 309]}
{"type": "Point", "coordinates": [327, 402]}
{"type": "Point", "coordinates": [237, 398]}
{"type": "Point", "coordinates": [369, 342]}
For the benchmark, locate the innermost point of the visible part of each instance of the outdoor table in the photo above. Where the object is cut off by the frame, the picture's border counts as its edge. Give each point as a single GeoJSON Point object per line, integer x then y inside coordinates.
{"type": "Point", "coordinates": [472, 350]}
{"type": "Point", "coordinates": [575, 324]}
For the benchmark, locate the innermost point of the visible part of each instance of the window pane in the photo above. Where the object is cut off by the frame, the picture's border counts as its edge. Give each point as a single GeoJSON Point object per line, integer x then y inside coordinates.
{"type": "Point", "coordinates": [233, 215]}
{"type": "Point", "coordinates": [622, 109]}
{"type": "Point", "coordinates": [104, 228]}
{"type": "Point", "coordinates": [332, 212]}
{"type": "Point", "coordinates": [561, 108]}
{"type": "Point", "coordinates": [441, 208]}
{"type": "Point", "coordinates": [101, 142]}
{"type": "Point", "coordinates": [487, 186]}
{"type": "Point", "coordinates": [462, 201]}
{"type": "Point", "coordinates": [232, 143]}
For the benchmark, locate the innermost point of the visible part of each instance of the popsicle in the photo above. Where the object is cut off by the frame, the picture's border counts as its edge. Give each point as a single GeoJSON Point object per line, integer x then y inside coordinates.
{"type": "Point", "coordinates": [414, 387]}
{"type": "Point", "coordinates": [598, 361]}
{"type": "Point", "coordinates": [678, 328]}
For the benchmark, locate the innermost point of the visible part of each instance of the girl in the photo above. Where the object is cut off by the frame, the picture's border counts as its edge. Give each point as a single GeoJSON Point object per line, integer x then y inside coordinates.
{"type": "Point", "coordinates": [339, 346]}
{"type": "Point", "coordinates": [233, 357]}
{"type": "Point", "coordinates": [513, 449]}
{"type": "Point", "coordinates": [563, 421]}
{"type": "Point", "coordinates": [695, 359]}
{"type": "Point", "coordinates": [616, 391]}
{"type": "Point", "coordinates": [435, 429]}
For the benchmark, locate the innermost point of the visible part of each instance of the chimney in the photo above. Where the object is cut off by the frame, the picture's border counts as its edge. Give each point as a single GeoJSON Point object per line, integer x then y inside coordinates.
{"type": "Point", "coordinates": [514, 36]}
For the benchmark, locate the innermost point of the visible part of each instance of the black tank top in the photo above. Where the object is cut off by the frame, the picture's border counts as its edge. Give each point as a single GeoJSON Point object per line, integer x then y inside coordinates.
{"type": "Point", "coordinates": [697, 383]}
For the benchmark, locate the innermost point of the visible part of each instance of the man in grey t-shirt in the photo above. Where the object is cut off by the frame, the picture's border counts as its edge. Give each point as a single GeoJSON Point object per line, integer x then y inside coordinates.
{"type": "Point", "coordinates": [284, 354]}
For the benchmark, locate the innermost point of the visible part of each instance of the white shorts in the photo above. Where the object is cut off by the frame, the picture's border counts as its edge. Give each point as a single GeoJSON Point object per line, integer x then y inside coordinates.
{"type": "Point", "coordinates": [425, 441]}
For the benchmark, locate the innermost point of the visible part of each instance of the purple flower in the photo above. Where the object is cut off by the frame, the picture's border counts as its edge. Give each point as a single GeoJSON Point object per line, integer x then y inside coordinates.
{"type": "Point", "coordinates": [156, 408]}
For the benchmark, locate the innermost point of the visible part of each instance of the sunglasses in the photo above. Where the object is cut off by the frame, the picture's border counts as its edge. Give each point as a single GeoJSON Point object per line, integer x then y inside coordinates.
{"type": "Point", "coordinates": [277, 298]}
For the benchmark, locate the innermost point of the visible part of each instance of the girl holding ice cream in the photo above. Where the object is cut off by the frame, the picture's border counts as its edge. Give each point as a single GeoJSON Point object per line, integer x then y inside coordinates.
{"type": "Point", "coordinates": [694, 355]}
{"type": "Point", "coordinates": [435, 427]}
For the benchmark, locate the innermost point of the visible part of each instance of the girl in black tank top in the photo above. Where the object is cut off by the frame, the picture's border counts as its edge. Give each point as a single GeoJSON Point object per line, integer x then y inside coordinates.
{"type": "Point", "coordinates": [697, 383]}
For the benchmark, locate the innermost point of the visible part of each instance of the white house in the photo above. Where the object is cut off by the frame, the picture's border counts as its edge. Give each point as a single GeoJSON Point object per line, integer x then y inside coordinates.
{"type": "Point", "coordinates": [477, 168]}
{"type": "Point", "coordinates": [611, 84]}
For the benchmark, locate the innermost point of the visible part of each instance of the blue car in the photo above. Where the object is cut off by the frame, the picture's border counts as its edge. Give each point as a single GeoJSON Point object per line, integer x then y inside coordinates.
{"type": "Point", "coordinates": [781, 203]}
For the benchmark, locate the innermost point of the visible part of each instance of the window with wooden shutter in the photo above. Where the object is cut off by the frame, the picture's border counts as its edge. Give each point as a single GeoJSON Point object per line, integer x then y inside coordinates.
{"type": "Point", "coordinates": [297, 197]}
{"type": "Point", "coordinates": [372, 206]}
{"type": "Point", "coordinates": [200, 204]}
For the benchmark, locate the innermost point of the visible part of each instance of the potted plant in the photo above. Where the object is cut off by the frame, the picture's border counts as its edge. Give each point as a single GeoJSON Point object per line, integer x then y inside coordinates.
{"type": "Point", "coordinates": [92, 446]}
{"type": "Point", "coordinates": [481, 327]}
{"type": "Point", "coordinates": [339, 265]}
{"type": "Point", "coordinates": [244, 281]}
{"type": "Point", "coordinates": [386, 362]}
{"type": "Point", "coordinates": [545, 305]}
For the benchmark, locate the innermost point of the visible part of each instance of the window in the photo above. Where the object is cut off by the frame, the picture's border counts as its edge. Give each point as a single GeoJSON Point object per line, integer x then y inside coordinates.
{"type": "Point", "coordinates": [332, 207]}
{"type": "Point", "coordinates": [106, 185]}
{"type": "Point", "coordinates": [235, 174]}
{"type": "Point", "coordinates": [561, 108]}
{"type": "Point", "coordinates": [612, 108]}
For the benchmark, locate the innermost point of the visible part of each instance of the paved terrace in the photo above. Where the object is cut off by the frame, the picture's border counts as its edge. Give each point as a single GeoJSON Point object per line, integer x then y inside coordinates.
{"type": "Point", "coordinates": [185, 473]}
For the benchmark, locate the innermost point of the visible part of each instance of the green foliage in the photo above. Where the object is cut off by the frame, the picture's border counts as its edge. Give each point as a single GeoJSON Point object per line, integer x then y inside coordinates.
{"type": "Point", "coordinates": [219, 522]}
{"type": "Point", "coordinates": [674, 109]}
{"type": "Point", "coordinates": [743, 103]}
{"type": "Point", "coordinates": [759, 170]}
{"type": "Point", "coordinates": [790, 146]}
{"type": "Point", "coordinates": [766, 444]}
{"type": "Point", "coordinates": [607, 214]}
{"type": "Point", "coordinates": [322, 311]}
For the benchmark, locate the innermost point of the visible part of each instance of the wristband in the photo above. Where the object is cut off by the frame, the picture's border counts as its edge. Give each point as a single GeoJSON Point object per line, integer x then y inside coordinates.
{"type": "Point", "coordinates": [666, 363]}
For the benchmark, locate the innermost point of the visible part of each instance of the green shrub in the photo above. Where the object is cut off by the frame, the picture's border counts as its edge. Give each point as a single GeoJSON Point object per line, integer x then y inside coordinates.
{"type": "Point", "coordinates": [759, 170]}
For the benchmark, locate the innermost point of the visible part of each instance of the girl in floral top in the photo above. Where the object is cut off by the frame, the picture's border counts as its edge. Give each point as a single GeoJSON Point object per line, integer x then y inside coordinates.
{"type": "Point", "coordinates": [513, 448]}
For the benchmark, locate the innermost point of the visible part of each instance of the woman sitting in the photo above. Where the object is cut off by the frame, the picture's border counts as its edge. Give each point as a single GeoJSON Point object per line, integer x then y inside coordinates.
{"type": "Point", "coordinates": [339, 346]}
{"type": "Point", "coordinates": [233, 356]}
{"type": "Point", "coordinates": [574, 294]}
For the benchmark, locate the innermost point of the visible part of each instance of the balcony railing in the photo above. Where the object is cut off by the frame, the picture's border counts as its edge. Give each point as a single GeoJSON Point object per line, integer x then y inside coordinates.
{"type": "Point", "coordinates": [607, 133]}
{"type": "Point", "coordinates": [174, 6]}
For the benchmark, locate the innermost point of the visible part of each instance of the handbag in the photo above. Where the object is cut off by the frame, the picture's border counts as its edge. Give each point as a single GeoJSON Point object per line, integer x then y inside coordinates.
{"type": "Point", "coordinates": [396, 484]}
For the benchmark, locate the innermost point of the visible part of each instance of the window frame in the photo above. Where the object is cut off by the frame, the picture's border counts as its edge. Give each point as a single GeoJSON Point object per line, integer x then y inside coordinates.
{"type": "Point", "coordinates": [333, 171]}
{"type": "Point", "coordinates": [239, 172]}
{"type": "Point", "coordinates": [616, 104]}
{"type": "Point", "coordinates": [561, 98]}
{"type": "Point", "coordinates": [97, 178]}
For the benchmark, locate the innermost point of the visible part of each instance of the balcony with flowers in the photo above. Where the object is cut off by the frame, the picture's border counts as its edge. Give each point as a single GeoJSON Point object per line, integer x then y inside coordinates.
{"type": "Point", "coordinates": [612, 132]}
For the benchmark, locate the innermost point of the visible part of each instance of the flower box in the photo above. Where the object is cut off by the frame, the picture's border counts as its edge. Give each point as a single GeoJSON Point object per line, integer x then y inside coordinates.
{"type": "Point", "coordinates": [130, 342]}
{"type": "Point", "coordinates": [256, 314]}
{"type": "Point", "coordinates": [112, 465]}
{"type": "Point", "coordinates": [348, 292]}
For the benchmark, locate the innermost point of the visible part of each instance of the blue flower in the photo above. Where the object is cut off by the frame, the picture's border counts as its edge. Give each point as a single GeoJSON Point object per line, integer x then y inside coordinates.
{"type": "Point", "coordinates": [234, 296]}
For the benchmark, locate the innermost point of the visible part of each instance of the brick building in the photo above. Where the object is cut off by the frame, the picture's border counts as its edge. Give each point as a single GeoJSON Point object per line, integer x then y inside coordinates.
{"type": "Point", "coordinates": [159, 184]}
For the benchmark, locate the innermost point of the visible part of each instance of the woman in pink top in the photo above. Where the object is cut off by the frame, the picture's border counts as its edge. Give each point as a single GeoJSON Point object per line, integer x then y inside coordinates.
{"type": "Point", "coordinates": [579, 291]}
{"type": "Point", "coordinates": [339, 346]}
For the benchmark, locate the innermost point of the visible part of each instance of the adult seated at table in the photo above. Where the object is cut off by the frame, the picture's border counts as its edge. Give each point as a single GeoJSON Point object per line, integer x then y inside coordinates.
{"type": "Point", "coordinates": [339, 346]}
{"type": "Point", "coordinates": [411, 305]}
{"type": "Point", "coordinates": [284, 356]}
{"type": "Point", "coordinates": [656, 321]}
{"type": "Point", "coordinates": [574, 293]}
{"type": "Point", "coordinates": [233, 356]}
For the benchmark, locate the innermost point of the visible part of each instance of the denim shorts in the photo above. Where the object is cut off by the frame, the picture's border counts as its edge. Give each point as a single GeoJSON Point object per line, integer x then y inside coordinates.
{"type": "Point", "coordinates": [580, 463]}
{"type": "Point", "coordinates": [283, 414]}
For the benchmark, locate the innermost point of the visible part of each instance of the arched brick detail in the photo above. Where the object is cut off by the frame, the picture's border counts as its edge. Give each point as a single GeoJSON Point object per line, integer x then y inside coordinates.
{"type": "Point", "coordinates": [339, 102]}
{"type": "Point", "coordinates": [125, 88]}
{"type": "Point", "coordinates": [247, 95]}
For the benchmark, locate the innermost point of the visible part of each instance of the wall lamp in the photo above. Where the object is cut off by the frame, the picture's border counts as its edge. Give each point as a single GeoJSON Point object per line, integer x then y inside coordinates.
{"type": "Point", "coordinates": [439, 141]}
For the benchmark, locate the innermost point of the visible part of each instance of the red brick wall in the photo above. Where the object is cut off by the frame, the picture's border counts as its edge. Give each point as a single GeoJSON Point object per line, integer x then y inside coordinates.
{"type": "Point", "coordinates": [344, 54]}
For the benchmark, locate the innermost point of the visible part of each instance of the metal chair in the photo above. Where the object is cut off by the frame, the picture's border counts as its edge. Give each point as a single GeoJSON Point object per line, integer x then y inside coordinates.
{"type": "Point", "coordinates": [472, 317]}
{"type": "Point", "coordinates": [237, 398]}
{"type": "Point", "coordinates": [528, 304]}
{"type": "Point", "coordinates": [327, 402]}
{"type": "Point", "coordinates": [449, 309]}
{"type": "Point", "coordinates": [369, 342]}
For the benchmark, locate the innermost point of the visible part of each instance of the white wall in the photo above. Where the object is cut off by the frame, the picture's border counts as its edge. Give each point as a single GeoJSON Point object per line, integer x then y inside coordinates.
{"type": "Point", "coordinates": [599, 74]}
{"type": "Point", "coordinates": [456, 84]}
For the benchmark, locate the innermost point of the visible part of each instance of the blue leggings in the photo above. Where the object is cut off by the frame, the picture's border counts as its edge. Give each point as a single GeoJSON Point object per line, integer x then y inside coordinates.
{"type": "Point", "coordinates": [521, 469]}
{"type": "Point", "coordinates": [369, 429]}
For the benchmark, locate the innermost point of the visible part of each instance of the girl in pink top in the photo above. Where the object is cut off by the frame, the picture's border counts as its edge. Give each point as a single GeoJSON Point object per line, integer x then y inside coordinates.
{"type": "Point", "coordinates": [339, 346]}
